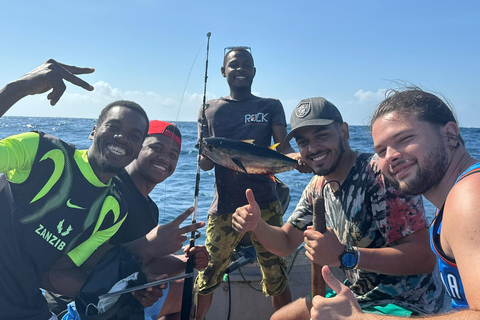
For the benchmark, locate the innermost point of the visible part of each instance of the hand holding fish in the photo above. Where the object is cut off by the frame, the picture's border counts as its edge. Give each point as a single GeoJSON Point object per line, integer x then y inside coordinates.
{"type": "Point", "coordinates": [302, 167]}
{"type": "Point", "coordinates": [342, 306]}
{"type": "Point", "coordinates": [323, 248]}
{"type": "Point", "coordinates": [246, 218]}
{"type": "Point", "coordinates": [205, 163]}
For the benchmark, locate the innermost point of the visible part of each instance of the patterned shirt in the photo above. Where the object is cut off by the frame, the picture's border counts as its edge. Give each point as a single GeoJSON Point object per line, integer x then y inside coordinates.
{"type": "Point", "coordinates": [369, 212]}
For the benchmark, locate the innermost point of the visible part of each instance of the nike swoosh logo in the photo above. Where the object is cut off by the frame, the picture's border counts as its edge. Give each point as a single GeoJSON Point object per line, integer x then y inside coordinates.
{"type": "Point", "coordinates": [71, 205]}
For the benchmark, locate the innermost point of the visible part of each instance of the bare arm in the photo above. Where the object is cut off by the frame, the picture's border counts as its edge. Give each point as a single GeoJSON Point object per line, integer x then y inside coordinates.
{"type": "Point", "coordinates": [175, 264]}
{"type": "Point", "coordinates": [10, 95]}
{"type": "Point", "coordinates": [280, 241]}
{"type": "Point", "coordinates": [324, 249]}
{"type": "Point", "coordinates": [414, 248]}
{"type": "Point", "coordinates": [50, 75]}
{"type": "Point", "coordinates": [171, 265]}
{"type": "Point", "coordinates": [64, 277]}
{"type": "Point", "coordinates": [279, 133]}
{"type": "Point", "coordinates": [460, 235]}
{"type": "Point", "coordinates": [163, 240]}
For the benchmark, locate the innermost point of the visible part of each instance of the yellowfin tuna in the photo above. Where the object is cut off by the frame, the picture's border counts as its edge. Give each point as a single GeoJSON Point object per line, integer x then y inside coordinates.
{"type": "Point", "coordinates": [246, 157]}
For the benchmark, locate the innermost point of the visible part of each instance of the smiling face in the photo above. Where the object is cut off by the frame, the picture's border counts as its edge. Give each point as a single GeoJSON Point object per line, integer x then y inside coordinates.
{"type": "Point", "coordinates": [116, 141]}
{"type": "Point", "coordinates": [413, 153]}
{"type": "Point", "coordinates": [239, 70]}
{"type": "Point", "coordinates": [322, 147]}
{"type": "Point", "coordinates": [157, 160]}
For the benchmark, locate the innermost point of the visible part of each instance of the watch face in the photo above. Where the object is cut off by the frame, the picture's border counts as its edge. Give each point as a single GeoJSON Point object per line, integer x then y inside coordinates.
{"type": "Point", "coordinates": [349, 260]}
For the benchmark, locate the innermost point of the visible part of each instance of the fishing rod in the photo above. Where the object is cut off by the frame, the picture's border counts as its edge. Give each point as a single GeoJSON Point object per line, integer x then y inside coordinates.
{"type": "Point", "coordinates": [319, 224]}
{"type": "Point", "coordinates": [187, 311]}
{"type": "Point", "coordinates": [318, 283]}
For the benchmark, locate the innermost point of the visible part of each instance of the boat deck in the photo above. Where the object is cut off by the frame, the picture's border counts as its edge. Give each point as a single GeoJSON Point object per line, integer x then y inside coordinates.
{"type": "Point", "coordinates": [248, 303]}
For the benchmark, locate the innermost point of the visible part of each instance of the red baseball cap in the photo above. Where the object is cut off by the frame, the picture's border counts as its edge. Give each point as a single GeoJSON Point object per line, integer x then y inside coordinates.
{"type": "Point", "coordinates": [167, 129]}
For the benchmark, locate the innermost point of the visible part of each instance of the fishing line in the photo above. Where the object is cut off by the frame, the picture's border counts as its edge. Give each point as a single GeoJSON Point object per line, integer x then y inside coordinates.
{"type": "Point", "coordinates": [188, 286]}
{"type": "Point", "coordinates": [188, 78]}
{"type": "Point", "coordinates": [164, 183]}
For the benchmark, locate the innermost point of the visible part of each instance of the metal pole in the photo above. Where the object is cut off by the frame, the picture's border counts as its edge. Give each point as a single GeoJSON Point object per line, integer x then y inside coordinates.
{"type": "Point", "coordinates": [187, 311]}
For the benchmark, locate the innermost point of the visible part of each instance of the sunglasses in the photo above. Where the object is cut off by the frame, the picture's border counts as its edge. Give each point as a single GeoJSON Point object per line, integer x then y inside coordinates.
{"type": "Point", "coordinates": [227, 49]}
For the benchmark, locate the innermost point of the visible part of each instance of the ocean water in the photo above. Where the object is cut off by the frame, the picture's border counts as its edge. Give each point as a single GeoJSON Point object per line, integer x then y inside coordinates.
{"type": "Point", "coordinates": [176, 193]}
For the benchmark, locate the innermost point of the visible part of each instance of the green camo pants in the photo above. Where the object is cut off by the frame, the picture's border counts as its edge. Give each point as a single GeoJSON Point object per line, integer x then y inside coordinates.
{"type": "Point", "coordinates": [222, 240]}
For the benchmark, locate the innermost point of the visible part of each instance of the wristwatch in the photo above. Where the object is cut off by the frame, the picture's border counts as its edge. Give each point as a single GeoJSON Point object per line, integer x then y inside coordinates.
{"type": "Point", "coordinates": [349, 258]}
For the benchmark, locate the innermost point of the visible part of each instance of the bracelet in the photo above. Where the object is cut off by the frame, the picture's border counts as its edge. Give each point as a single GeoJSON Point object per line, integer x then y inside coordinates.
{"type": "Point", "coordinates": [358, 256]}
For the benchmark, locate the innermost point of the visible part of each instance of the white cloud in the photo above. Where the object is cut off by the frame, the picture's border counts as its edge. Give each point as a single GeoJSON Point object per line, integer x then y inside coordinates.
{"type": "Point", "coordinates": [78, 103]}
{"type": "Point", "coordinates": [361, 106]}
{"type": "Point", "coordinates": [369, 97]}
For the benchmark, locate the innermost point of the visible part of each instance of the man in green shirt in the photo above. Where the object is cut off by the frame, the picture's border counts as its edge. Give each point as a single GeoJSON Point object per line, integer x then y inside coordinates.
{"type": "Point", "coordinates": [58, 203]}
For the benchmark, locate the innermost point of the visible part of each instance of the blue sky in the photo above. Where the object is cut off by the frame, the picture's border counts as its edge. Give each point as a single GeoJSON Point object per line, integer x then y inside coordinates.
{"type": "Point", "coordinates": [349, 52]}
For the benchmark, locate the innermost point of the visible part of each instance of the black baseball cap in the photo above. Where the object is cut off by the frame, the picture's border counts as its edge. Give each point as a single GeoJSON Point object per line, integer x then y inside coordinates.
{"type": "Point", "coordinates": [315, 111]}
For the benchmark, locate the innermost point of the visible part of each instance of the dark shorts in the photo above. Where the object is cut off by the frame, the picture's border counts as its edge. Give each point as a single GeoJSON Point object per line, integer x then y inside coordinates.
{"type": "Point", "coordinates": [222, 240]}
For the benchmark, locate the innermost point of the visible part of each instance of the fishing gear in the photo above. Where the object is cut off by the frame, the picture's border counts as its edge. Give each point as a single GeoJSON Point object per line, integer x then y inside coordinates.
{"type": "Point", "coordinates": [187, 311]}
{"type": "Point", "coordinates": [318, 283]}
{"type": "Point", "coordinates": [319, 224]}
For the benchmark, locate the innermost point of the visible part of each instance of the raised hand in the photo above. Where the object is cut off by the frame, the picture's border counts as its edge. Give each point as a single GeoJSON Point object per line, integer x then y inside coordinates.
{"type": "Point", "coordinates": [168, 238]}
{"type": "Point", "coordinates": [342, 306]}
{"type": "Point", "coordinates": [51, 75]}
{"type": "Point", "coordinates": [323, 248]}
{"type": "Point", "coordinates": [246, 218]}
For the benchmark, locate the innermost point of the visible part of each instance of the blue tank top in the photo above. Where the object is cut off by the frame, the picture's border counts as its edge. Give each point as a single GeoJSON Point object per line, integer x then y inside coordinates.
{"type": "Point", "coordinates": [447, 266]}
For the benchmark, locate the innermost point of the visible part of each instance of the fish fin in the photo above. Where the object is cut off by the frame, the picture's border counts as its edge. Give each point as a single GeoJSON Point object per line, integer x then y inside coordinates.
{"type": "Point", "coordinates": [239, 164]}
{"type": "Point", "coordinates": [249, 141]}
{"type": "Point", "coordinates": [274, 146]}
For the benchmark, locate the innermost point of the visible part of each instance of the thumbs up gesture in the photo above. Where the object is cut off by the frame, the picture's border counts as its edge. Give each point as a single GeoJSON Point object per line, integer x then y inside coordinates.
{"type": "Point", "coordinates": [246, 218]}
{"type": "Point", "coordinates": [341, 307]}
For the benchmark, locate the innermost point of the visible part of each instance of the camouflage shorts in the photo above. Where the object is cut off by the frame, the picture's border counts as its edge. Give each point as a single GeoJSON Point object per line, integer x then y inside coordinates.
{"type": "Point", "coordinates": [222, 240]}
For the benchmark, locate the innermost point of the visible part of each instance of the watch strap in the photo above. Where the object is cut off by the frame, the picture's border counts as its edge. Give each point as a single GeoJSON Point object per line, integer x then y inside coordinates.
{"type": "Point", "coordinates": [358, 256]}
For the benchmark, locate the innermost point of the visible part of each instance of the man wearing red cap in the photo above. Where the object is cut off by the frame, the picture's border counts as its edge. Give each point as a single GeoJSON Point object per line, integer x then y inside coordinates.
{"type": "Point", "coordinates": [156, 162]}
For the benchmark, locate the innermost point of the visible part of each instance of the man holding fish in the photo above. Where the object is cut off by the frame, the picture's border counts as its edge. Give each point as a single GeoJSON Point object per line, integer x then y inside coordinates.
{"type": "Point", "coordinates": [373, 228]}
{"type": "Point", "coordinates": [241, 116]}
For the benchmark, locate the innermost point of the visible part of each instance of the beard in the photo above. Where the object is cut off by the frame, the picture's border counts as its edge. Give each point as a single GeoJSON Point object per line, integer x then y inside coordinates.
{"type": "Point", "coordinates": [428, 174]}
{"type": "Point", "coordinates": [324, 171]}
{"type": "Point", "coordinates": [107, 167]}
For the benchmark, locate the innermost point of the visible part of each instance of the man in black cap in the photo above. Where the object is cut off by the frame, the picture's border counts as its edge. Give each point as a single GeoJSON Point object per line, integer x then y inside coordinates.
{"type": "Point", "coordinates": [376, 234]}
